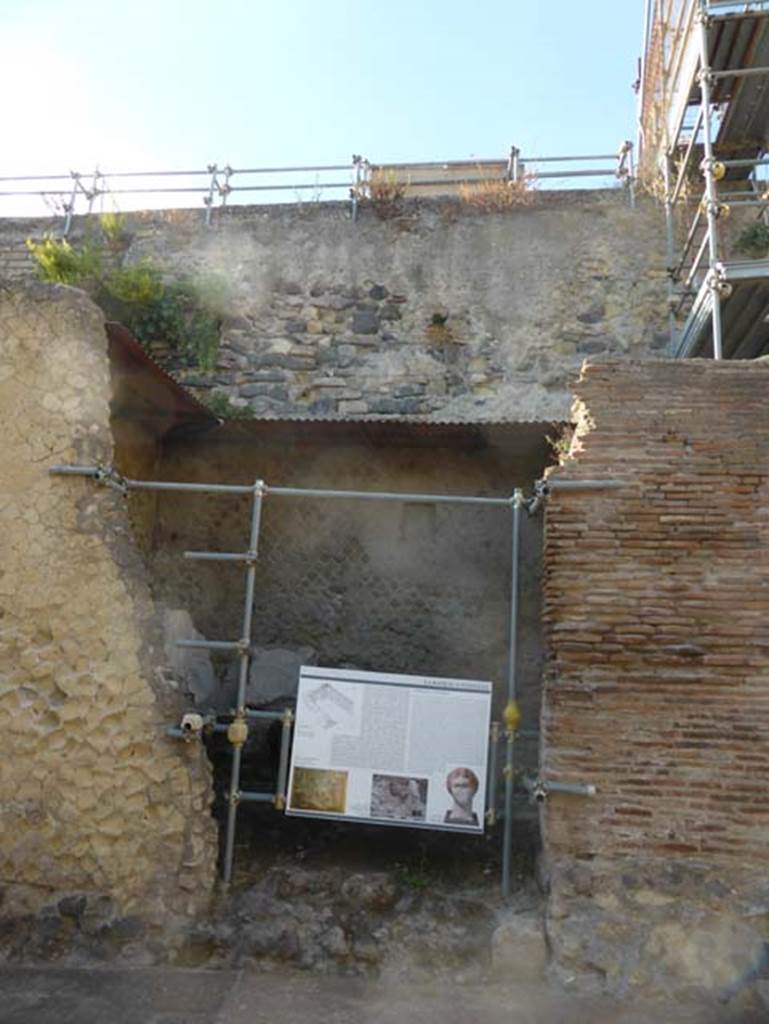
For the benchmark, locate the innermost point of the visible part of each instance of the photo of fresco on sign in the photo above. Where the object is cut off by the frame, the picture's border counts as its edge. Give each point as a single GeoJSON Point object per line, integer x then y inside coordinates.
{"type": "Point", "coordinates": [390, 749]}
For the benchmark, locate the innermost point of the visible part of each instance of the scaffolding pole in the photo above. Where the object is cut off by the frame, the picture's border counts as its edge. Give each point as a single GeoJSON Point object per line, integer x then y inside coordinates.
{"type": "Point", "coordinates": [237, 729]}
{"type": "Point", "coordinates": [712, 208]}
{"type": "Point", "coordinates": [512, 715]}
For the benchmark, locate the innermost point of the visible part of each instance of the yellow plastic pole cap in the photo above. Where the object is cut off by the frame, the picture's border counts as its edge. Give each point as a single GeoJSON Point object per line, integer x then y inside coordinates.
{"type": "Point", "coordinates": [237, 733]}
{"type": "Point", "coordinates": [512, 716]}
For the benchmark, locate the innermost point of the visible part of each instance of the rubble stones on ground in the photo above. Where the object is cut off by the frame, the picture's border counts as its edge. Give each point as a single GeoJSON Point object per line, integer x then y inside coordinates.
{"type": "Point", "coordinates": [368, 921]}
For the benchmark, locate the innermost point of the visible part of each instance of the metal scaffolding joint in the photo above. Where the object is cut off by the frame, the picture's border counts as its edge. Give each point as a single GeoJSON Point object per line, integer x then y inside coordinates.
{"type": "Point", "coordinates": [539, 789]}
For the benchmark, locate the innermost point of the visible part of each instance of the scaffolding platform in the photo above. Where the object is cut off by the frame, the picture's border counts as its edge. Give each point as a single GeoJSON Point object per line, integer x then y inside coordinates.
{"type": "Point", "coordinates": [744, 315]}
{"type": "Point", "coordinates": [704, 111]}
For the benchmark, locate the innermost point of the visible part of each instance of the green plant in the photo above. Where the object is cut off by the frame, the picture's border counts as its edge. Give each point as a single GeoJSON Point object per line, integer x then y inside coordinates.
{"type": "Point", "coordinates": [754, 240]}
{"type": "Point", "coordinates": [415, 875]}
{"type": "Point", "coordinates": [185, 314]}
{"type": "Point", "coordinates": [58, 262]}
{"type": "Point", "coordinates": [113, 228]}
{"type": "Point", "coordinates": [220, 405]}
{"type": "Point", "coordinates": [138, 283]}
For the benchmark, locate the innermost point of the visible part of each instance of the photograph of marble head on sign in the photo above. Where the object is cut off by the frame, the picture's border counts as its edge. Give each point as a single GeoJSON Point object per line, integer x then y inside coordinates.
{"type": "Point", "coordinates": [462, 785]}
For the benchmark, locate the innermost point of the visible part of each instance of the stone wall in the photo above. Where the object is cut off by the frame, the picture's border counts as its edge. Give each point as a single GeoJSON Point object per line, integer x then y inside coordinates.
{"type": "Point", "coordinates": [95, 803]}
{"type": "Point", "coordinates": [657, 689]}
{"type": "Point", "coordinates": [442, 311]}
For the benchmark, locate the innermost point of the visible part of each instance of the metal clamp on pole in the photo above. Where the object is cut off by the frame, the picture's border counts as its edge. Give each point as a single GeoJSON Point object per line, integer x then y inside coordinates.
{"type": "Point", "coordinates": [544, 486]}
{"type": "Point", "coordinates": [355, 189]}
{"type": "Point", "coordinates": [213, 187]}
{"type": "Point", "coordinates": [107, 476]}
{"type": "Point", "coordinates": [539, 789]}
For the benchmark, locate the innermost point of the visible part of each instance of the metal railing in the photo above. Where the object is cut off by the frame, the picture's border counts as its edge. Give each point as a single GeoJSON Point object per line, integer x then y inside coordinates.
{"type": "Point", "coordinates": [77, 192]}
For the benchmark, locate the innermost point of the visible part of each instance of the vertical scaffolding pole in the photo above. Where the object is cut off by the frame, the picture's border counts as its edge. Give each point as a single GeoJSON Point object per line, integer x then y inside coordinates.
{"type": "Point", "coordinates": [69, 208]}
{"type": "Point", "coordinates": [511, 714]}
{"type": "Point", "coordinates": [670, 254]}
{"type": "Point", "coordinates": [238, 730]}
{"type": "Point", "coordinates": [711, 191]}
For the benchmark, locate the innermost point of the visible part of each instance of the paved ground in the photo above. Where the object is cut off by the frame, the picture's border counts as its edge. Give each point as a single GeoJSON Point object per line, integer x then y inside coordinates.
{"type": "Point", "coordinates": [174, 996]}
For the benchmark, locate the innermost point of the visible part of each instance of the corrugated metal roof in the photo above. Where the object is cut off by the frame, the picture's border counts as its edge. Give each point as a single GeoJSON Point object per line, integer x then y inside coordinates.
{"type": "Point", "coordinates": [427, 421]}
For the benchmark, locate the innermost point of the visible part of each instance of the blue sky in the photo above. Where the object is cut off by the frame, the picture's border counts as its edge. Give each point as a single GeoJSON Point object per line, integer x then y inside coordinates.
{"type": "Point", "coordinates": [170, 84]}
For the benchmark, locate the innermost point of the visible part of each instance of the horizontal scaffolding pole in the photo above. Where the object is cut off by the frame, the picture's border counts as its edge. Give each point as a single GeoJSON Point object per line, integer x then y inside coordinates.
{"type": "Point", "coordinates": [248, 797]}
{"type": "Point", "coordinates": [575, 788]}
{"type": "Point", "coordinates": [740, 73]}
{"type": "Point", "coordinates": [567, 159]}
{"type": "Point", "coordinates": [288, 492]}
{"type": "Point", "coordinates": [219, 556]}
{"type": "Point", "coordinates": [427, 499]}
{"type": "Point", "coordinates": [291, 188]}
{"type": "Point", "coordinates": [747, 162]}
{"type": "Point", "coordinates": [594, 172]}
{"type": "Point", "coordinates": [214, 645]}
{"type": "Point", "coordinates": [556, 484]}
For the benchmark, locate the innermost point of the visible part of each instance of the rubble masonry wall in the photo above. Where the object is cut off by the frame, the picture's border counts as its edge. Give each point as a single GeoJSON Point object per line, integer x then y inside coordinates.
{"type": "Point", "coordinates": [94, 800]}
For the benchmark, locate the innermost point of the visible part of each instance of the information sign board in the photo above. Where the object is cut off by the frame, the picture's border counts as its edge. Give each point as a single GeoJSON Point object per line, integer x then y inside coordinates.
{"type": "Point", "coordinates": [390, 749]}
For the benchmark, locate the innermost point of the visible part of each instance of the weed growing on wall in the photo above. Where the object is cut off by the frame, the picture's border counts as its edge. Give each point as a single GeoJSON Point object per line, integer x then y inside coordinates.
{"type": "Point", "coordinates": [185, 313]}
{"type": "Point", "coordinates": [59, 263]}
{"type": "Point", "coordinates": [493, 196]}
{"type": "Point", "coordinates": [383, 192]}
{"type": "Point", "coordinates": [560, 443]}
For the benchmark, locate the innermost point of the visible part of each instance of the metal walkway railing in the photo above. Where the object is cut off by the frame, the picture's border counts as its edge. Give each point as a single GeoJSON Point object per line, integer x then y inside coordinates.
{"type": "Point", "coordinates": [78, 192]}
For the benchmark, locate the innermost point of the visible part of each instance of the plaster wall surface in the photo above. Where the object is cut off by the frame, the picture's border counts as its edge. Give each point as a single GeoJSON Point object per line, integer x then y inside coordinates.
{"type": "Point", "coordinates": [94, 802]}
{"type": "Point", "coordinates": [439, 311]}
{"type": "Point", "coordinates": [657, 684]}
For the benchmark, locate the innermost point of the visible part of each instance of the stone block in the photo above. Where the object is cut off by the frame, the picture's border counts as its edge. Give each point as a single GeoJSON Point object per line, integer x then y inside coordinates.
{"type": "Point", "coordinates": [518, 949]}
{"type": "Point", "coordinates": [262, 390]}
{"type": "Point", "coordinates": [715, 953]}
{"type": "Point", "coordinates": [365, 321]}
{"type": "Point", "coordinates": [353, 408]}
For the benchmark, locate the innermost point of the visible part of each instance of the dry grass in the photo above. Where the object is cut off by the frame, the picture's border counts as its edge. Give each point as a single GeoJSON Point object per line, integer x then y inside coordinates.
{"type": "Point", "coordinates": [499, 194]}
{"type": "Point", "coordinates": [384, 192]}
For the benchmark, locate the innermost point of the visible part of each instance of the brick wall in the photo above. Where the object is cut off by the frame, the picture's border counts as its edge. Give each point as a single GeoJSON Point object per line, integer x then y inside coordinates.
{"type": "Point", "coordinates": [657, 613]}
